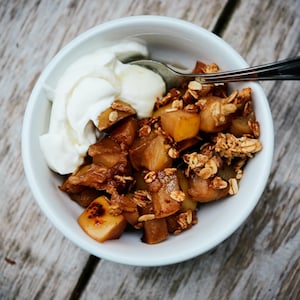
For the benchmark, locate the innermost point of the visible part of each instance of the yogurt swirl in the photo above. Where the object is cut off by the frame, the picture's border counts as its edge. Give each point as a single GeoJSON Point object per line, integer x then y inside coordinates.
{"type": "Point", "coordinates": [88, 87]}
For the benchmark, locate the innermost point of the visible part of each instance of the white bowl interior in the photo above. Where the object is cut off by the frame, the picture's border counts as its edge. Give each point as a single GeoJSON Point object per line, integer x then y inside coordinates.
{"type": "Point", "coordinates": [171, 40]}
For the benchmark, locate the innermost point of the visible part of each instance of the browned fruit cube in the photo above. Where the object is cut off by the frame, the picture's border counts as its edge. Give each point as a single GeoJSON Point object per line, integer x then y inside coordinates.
{"type": "Point", "coordinates": [216, 114]}
{"type": "Point", "coordinates": [150, 152]}
{"type": "Point", "coordinates": [201, 190]}
{"type": "Point", "coordinates": [240, 126]}
{"type": "Point", "coordinates": [125, 132]}
{"type": "Point", "coordinates": [155, 156]}
{"type": "Point", "coordinates": [162, 191]}
{"type": "Point", "coordinates": [117, 112]}
{"type": "Point", "coordinates": [155, 231]}
{"type": "Point", "coordinates": [99, 224]}
{"type": "Point", "coordinates": [106, 152]}
{"type": "Point", "coordinates": [180, 124]}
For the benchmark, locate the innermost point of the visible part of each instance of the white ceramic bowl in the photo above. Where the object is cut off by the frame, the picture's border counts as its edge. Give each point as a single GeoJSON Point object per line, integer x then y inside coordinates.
{"type": "Point", "coordinates": [171, 40]}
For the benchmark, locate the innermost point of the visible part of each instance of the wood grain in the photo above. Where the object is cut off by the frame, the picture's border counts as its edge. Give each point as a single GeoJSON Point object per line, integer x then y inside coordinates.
{"type": "Point", "coordinates": [260, 261]}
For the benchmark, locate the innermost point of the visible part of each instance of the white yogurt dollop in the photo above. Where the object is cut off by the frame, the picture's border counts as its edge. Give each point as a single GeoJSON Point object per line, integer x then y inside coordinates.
{"type": "Point", "coordinates": [87, 88]}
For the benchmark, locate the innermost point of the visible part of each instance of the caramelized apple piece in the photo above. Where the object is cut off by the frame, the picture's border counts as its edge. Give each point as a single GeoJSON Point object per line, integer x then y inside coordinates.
{"type": "Point", "coordinates": [99, 224]}
{"type": "Point", "coordinates": [156, 156]}
{"type": "Point", "coordinates": [201, 190]}
{"type": "Point", "coordinates": [215, 114]}
{"type": "Point", "coordinates": [106, 152]}
{"type": "Point", "coordinates": [180, 124]}
{"type": "Point", "coordinates": [240, 126]}
{"type": "Point", "coordinates": [150, 152]}
{"type": "Point", "coordinates": [91, 175]}
{"type": "Point", "coordinates": [155, 231]}
{"type": "Point", "coordinates": [165, 193]}
{"type": "Point", "coordinates": [117, 112]}
{"type": "Point", "coordinates": [125, 132]}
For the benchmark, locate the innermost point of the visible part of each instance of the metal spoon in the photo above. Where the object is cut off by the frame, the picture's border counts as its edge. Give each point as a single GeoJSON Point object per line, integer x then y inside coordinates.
{"type": "Point", "coordinates": [288, 69]}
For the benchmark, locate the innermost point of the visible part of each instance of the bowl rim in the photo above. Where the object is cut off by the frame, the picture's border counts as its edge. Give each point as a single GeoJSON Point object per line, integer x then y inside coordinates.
{"type": "Point", "coordinates": [29, 169]}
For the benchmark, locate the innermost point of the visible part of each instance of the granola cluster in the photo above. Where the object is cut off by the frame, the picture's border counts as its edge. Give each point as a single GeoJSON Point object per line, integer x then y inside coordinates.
{"type": "Point", "coordinates": [154, 172]}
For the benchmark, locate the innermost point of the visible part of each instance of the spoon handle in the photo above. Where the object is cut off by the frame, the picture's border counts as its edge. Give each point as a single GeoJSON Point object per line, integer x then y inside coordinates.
{"type": "Point", "coordinates": [288, 69]}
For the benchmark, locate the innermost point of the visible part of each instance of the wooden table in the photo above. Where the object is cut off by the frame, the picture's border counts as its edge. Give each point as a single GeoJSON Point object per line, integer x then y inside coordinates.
{"type": "Point", "coordinates": [261, 260]}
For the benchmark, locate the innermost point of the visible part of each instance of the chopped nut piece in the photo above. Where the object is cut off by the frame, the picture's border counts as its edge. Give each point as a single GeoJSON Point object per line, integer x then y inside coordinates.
{"type": "Point", "coordinates": [195, 160]}
{"type": "Point", "coordinates": [212, 165]}
{"type": "Point", "coordinates": [171, 109]}
{"type": "Point", "coordinates": [177, 104]}
{"type": "Point", "coordinates": [198, 90]}
{"type": "Point", "coordinates": [146, 217]}
{"type": "Point", "coordinates": [254, 126]}
{"type": "Point", "coordinates": [138, 225]}
{"type": "Point", "coordinates": [113, 116]}
{"type": "Point", "coordinates": [122, 106]}
{"type": "Point", "coordinates": [141, 198]}
{"type": "Point", "coordinates": [195, 85]}
{"type": "Point", "coordinates": [204, 173]}
{"type": "Point", "coordinates": [172, 95]}
{"type": "Point", "coordinates": [178, 196]}
{"type": "Point", "coordinates": [145, 130]}
{"type": "Point", "coordinates": [173, 153]}
{"type": "Point", "coordinates": [218, 183]}
{"type": "Point", "coordinates": [150, 176]}
{"type": "Point", "coordinates": [232, 96]}
{"type": "Point", "coordinates": [233, 186]}
{"type": "Point", "coordinates": [115, 210]}
{"type": "Point", "coordinates": [212, 68]}
{"type": "Point", "coordinates": [230, 146]}
{"type": "Point", "coordinates": [185, 220]}
{"type": "Point", "coordinates": [239, 174]}
{"type": "Point", "coordinates": [123, 179]}
{"type": "Point", "coordinates": [170, 171]}
{"type": "Point", "coordinates": [189, 217]}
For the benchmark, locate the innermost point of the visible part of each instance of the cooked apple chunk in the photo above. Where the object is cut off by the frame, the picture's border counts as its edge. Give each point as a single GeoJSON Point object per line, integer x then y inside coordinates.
{"type": "Point", "coordinates": [215, 114]}
{"type": "Point", "coordinates": [99, 224]}
{"type": "Point", "coordinates": [125, 133]}
{"type": "Point", "coordinates": [165, 193]}
{"type": "Point", "coordinates": [202, 190]}
{"type": "Point", "coordinates": [106, 152]}
{"type": "Point", "coordinates": [150, 153]}
{"type": "Point", "coordinates": [180, 124]}
{"type": "Point", "coordinates": [155, 231]}
{"type": "Point", "coordinates": [118, 111]}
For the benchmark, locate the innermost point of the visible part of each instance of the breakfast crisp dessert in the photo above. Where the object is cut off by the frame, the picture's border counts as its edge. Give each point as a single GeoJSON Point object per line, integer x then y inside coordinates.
{"type": "Point", "coordinates": [151, 173]}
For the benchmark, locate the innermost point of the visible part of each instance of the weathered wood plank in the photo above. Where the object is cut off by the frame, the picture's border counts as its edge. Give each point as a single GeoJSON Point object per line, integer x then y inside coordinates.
{"type": "Point", "coordinates": [261, 260]}
{"type": "Point", "coordinates": [36, 261]}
